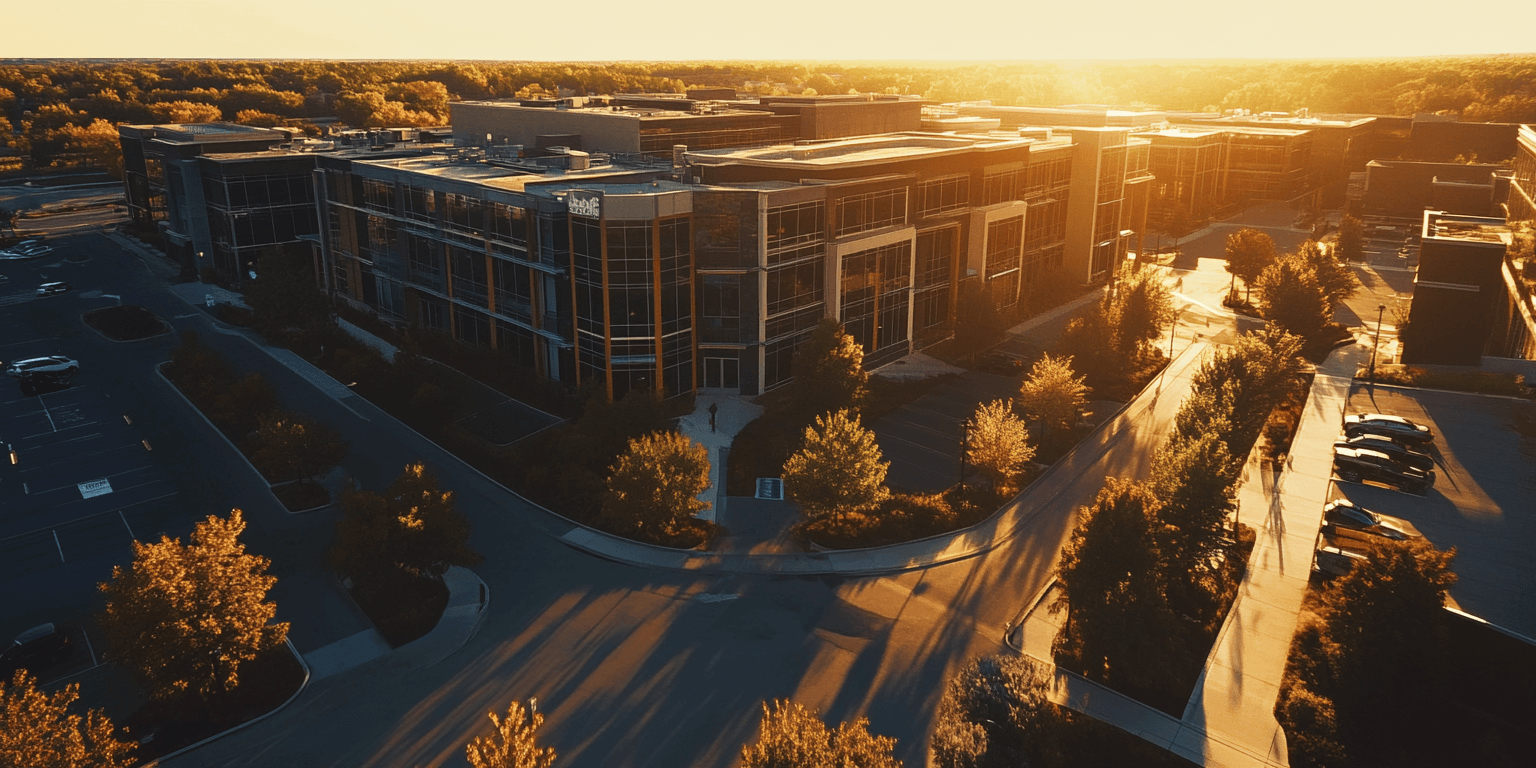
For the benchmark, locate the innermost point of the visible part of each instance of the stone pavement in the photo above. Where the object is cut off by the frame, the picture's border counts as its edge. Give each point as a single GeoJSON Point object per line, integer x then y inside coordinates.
{"type": "Point", "coordinates": [732, 413]}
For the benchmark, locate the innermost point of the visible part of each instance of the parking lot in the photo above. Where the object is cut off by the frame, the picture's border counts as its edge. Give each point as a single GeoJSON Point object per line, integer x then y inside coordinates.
{"type": "Point", "coordinates": [1482, 501]}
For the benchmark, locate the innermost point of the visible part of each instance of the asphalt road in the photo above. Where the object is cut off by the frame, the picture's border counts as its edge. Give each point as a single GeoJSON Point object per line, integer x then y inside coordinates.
{"type": "Point", "coordinates": [632, 667]}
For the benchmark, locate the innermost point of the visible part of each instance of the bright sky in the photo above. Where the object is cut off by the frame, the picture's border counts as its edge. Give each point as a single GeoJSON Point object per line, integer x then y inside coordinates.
{"type": "Point", "coordinates": [605, 30]}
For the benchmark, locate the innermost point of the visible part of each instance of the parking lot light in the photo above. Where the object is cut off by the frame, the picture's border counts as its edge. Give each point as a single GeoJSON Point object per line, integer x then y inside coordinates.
{"type": "Point", "coordinates": [14, 460]}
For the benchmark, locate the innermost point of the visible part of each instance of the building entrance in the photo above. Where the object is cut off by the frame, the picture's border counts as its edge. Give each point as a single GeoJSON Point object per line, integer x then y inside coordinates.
{"type": "Point", "coordinates": [721, 373]}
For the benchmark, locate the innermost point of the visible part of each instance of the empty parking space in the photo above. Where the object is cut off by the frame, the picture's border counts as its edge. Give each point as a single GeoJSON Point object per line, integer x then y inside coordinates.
{"type": "Point", "coordinates": [76, 475]}
{"type": "Point", "coordinates": [1482, 501]}
{"type": "Point", "coordinates": [922, 439]}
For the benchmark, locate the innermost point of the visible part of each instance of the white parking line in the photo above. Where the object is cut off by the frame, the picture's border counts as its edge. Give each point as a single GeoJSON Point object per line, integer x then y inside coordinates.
{"type": "Point", "coordinates": [59, 546]}
{"type": "Point", "coordinates": [46, 413]}
{"type": "Point", "coordinates": [124, 518]}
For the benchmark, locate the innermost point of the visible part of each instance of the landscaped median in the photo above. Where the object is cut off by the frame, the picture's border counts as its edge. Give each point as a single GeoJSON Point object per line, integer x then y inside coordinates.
{"type": "Point", "coordinates": [287, 449]}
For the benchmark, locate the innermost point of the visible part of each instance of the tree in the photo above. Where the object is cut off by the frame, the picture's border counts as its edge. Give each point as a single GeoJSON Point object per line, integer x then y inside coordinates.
{"type": "Point", "coordinates": [1178, 223]}
{"type": "Point", "coordinates": [1196, 481]}
{"type": "Point", "coordinates": [1292, 297]}
{"type": "Point", "coordinates": [1089, 342]}
{"type": "Point", "coordinates": [258, 118]}
{"type": "Point", "coordinates": [997, 713]}
{"type": "Point", "coordinates": [655, 485]}
{"type": "Point", "coordinates": [829, 372]}
{"type": "Point", "coordinates": [1381, 618]}
{"type": "Point", "coordinates": [1137, 311]}
{"type": "Point", "coordinates": [837, 469]}
{"type": "Point", "coordinates": [185, 112]}
{"type": "Point", "coordinates": [285, 293]}
{"type": "Point", "coordinates": [978, 324]}
{"type": "Point", "coordinates": [513, 745]}
{"type": "Point", "coordinates": [184, 618]}
{"type": "Point", "coordinates": [998, 444]}
{"type": "Point", "coordinates": [1119, 626]}
{"type": "Point", "coordinates": [1351, 244]}
{"type": "Point", "coordinates": [1336, 280]}
{"type": "Point", "coordinates": [98, 143]}
{"type": "Point", "coordinates": [792, 736]}
{"type": "Point", "coordinates": [1249, 253]}
{"type": "Point", "coordinates": [1052, 394]}
{"type": "Point", "coordinates": [413, 530]}
{"type": "Point", "coordinates": [38, 731]}
{"type": "Point", "coordinates": [292, 446]}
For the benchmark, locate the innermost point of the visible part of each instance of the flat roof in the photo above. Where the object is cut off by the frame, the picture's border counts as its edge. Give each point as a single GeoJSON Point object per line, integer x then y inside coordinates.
{"type": "Point", "coordinates": [187, 133]}
{"type": "Point", "coordinates": [859, 149]}
{"type": "Point", "coordinates": [1439, 225]}
{"type": "Point", "coordinates": [1182, 132]}
{"type": "Point", "coordinates": [641, 113]}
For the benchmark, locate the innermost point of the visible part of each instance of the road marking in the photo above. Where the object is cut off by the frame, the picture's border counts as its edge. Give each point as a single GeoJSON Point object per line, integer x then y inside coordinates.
{"type": "Point", "coordinates": [60, 546]}
{"type": "Point", "coordinates": [714, 597]}
{"type": "Point", "coordinates": [89, 647]}
{"type": "Point", "coordinates": [46, 413]}
{"type": "Point", "coordinates": [124, 518]}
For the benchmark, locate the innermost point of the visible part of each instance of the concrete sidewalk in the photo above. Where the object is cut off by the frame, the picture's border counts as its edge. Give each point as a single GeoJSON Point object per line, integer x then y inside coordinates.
{"type": "Point", "coordinates": [1229, 720]}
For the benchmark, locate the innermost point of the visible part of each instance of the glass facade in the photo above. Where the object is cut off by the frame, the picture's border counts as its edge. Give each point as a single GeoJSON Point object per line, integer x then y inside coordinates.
{"type": "Point", "coordinates": [876, 296]}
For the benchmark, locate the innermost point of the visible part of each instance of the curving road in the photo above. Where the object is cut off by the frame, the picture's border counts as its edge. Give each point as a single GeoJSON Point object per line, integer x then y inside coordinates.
{"type": "Point", "coordinates": [632, 666]}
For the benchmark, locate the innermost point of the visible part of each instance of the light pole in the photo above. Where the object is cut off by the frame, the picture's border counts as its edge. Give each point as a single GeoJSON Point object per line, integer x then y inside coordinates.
{"type": "Point", "coordinates": [965, 447]}
{"type": "Point", "coordinates": [1173, 326]}
{"type": "Point", "coordinates": [1380, 308]}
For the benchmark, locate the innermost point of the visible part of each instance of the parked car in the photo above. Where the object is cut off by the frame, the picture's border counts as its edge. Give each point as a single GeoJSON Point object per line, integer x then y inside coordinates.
{"type": "Point", "coordinates": [1395, 427]}
{"type": "Point", "coordinates": [1355, 465]}
{"type": "Point", "coordinates": [1331, 560]}
{"type": "Point", "coordinates": [50, 289]}
{"type": "Point", "coordinates": [1399, 452]}
{"type": "Point", "coordinates": [1000, 363]}
{"type": "Point", "coordinates": [28, 250]}
{"type": "Point", "coordinates": [53, 367]}
{"type": "Point", "coordinates": [37, 648]}
{"type": "Point", "coordinates": [1349, 524]}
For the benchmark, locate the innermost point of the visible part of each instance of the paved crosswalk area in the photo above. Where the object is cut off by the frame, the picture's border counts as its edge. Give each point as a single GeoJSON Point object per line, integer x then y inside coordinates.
{"type": "Point", "coordinates": [77, 477]}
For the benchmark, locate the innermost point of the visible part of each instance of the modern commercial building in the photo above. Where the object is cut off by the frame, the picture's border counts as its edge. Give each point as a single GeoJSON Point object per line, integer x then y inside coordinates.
{"type": "Point", "coordinates": [1403, 189]}
{"type": "Point", "coordinates": [1459, 291]}
{"type": "Point", "coordinates": [1332, 148]}
{"type": "Point", "coordinates": [652, 125]}
{"type": "Point", "coordinates": [1070, 116]}
{"type": "Point", "coordinates": [1521, 202]}
{"type": "Point", "coordinates": [1190, 169]}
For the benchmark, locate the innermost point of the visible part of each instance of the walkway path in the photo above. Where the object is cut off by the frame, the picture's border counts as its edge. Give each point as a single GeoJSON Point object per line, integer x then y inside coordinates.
{"type": "Point", "coordinates": [732, 413]}
{"type": "Point", "coordinates": [1230, 719]}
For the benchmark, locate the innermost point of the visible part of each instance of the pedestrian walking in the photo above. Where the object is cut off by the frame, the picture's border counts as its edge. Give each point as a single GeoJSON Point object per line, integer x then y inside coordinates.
{"type": "Point", "coordinates": [714, 408]}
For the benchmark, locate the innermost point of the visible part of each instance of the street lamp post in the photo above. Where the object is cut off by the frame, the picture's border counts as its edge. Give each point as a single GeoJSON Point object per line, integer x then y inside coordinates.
{"type": "Point", "coordinates": [1380, 308]}
{"type": "Point", "coordinates": [1173, 326]}
{"type": "Point", "coordinates": [965, 447]}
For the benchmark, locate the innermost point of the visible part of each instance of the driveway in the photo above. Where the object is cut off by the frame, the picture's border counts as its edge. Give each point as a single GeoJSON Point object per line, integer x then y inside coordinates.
{"type": "Point", "coordinates": [922, 438]}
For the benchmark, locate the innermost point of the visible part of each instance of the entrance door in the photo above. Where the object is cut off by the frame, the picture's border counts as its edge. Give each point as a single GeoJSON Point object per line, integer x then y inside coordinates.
{"type": "Point", "coordinates": [720, 373]}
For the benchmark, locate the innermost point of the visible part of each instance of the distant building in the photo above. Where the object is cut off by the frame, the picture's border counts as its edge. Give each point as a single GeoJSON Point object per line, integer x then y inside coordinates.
{"type": "Point", "coordinates": [1190, 169]}
{"type": "Point", "coordinates": [1403, 189]}
{"type": "Point", "coordinates": [1459, 291]}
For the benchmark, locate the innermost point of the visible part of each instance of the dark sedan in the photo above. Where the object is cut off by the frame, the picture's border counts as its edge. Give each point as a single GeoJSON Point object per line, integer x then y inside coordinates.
{"type": "Point", "coordinates": [1355, 465]}
{"type": "Point", "coordinates": [1395, 427]}
{"type": "Point", "coordinates": [1350, 525]}
{"type": "Point", "coordinates": [1398, 452]}
{"type": "Point", "coordinates": [37, 648]}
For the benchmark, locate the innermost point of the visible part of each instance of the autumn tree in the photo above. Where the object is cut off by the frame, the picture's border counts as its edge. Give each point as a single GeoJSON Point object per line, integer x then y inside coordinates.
{"type": "Point", "coordinates": [1138, 310]}
{"type": "Point", "coordinates": [1249, 252]}
{"type": "Point", "coordinates": [285, 293]}
{"type": "Point", "coordinates": [1351, 243]}
{"type": "Point", "coordinates": [185, 112]}
{"type": "Point", "coordinates": [837, 469]}
{"type": "Point", "coordinates": [998, 444]}
{"type": "Point", "coordinates": [1337, 281]}
{"type": "Point", "coordinates": [978, 323]}
{"type": "Point", "coordinates": [1052, 393]}
{"type": "Point", "coordinates": [1292, 297]}
{"type": "Point", "coordinates": [513, 745]}
{"type": "Point", "coordinates": [412, 531]}
{"type": "Point", "coordinates": [1119, 628]}
{"type": "Point", "coordinates": [183, 619]}
{"type": "Point", "coordinates": [37, 730]}
{"type": "Point", "coordinates": [1196, 481]}
{"type": "Point", "coordinates": [997, 713]}
{"type": "Point", "coordinates": [1088, 340]}
{"type": "Point", "coordinates": [793, 736]}
{"type": "Point", "coordinates": [292, 446]}
{"type": "Point", "coordinates": [654, 487]}
{"type": "Point", "coordinates": [829, 372]}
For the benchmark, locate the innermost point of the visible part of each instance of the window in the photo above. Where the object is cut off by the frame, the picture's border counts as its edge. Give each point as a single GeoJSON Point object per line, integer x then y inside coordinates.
{"type": "Point", "coordinates": [509, 224]}
{"type": "Point", "coordinates": [720, 309]}
{"type": "Point", "coordinates": [378, 196]}
{"type": "Point", "coordinates": [790, 225]}
{"type": "Point", "coordinates": [999, 186]}
{"type": "Point", "coordinates": [935, 257]}
{"type": "Point", "coordinates": [871, 210]}
{"type": "Point", "coordinates": [465, 215]}
{"type": "Point", "coordinates": [1004, 257]}
{"type": "Point", "coordinates": [421, 204]}
{"type": "Point", "coordinates": [339, 278]}
{"type": "Point", "coordinates": [794, 286]}
{"type": "Point", "coordinates": [944, 194]}
{"type": "Point", "coordinates": [874, 296]}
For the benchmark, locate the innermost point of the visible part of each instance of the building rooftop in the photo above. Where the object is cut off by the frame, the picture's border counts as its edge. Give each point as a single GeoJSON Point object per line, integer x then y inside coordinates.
{"type": "Point", "coordinates": [1182, 132]}
{"type": "Point", "coordinates": [856, 150]}
{"type": "Point", "coordinates": [198, 133]}
{"type": "Point", "coordinates": [1439, 225]}
{"type": "Point", "coordinates": [603, 109]}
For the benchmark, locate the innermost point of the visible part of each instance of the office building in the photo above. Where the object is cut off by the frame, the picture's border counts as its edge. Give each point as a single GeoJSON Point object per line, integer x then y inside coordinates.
{"type": "Point", "coordinates": [1459, 291]}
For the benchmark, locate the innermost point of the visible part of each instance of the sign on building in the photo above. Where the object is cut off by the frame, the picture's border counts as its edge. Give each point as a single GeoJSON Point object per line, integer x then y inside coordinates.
{"type": "Point", "coordinates": [584, 204]}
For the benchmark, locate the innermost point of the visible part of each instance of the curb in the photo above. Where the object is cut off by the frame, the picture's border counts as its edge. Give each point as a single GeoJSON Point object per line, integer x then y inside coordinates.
{"type": "Point", "coordinates": [1359, 383]}
{"type": "Point", "coordinates": [303, 686]}
{"type": "Point", "coordinates": [220, 433]}
{"type": "Point", "coordinates": [1018, 621]}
